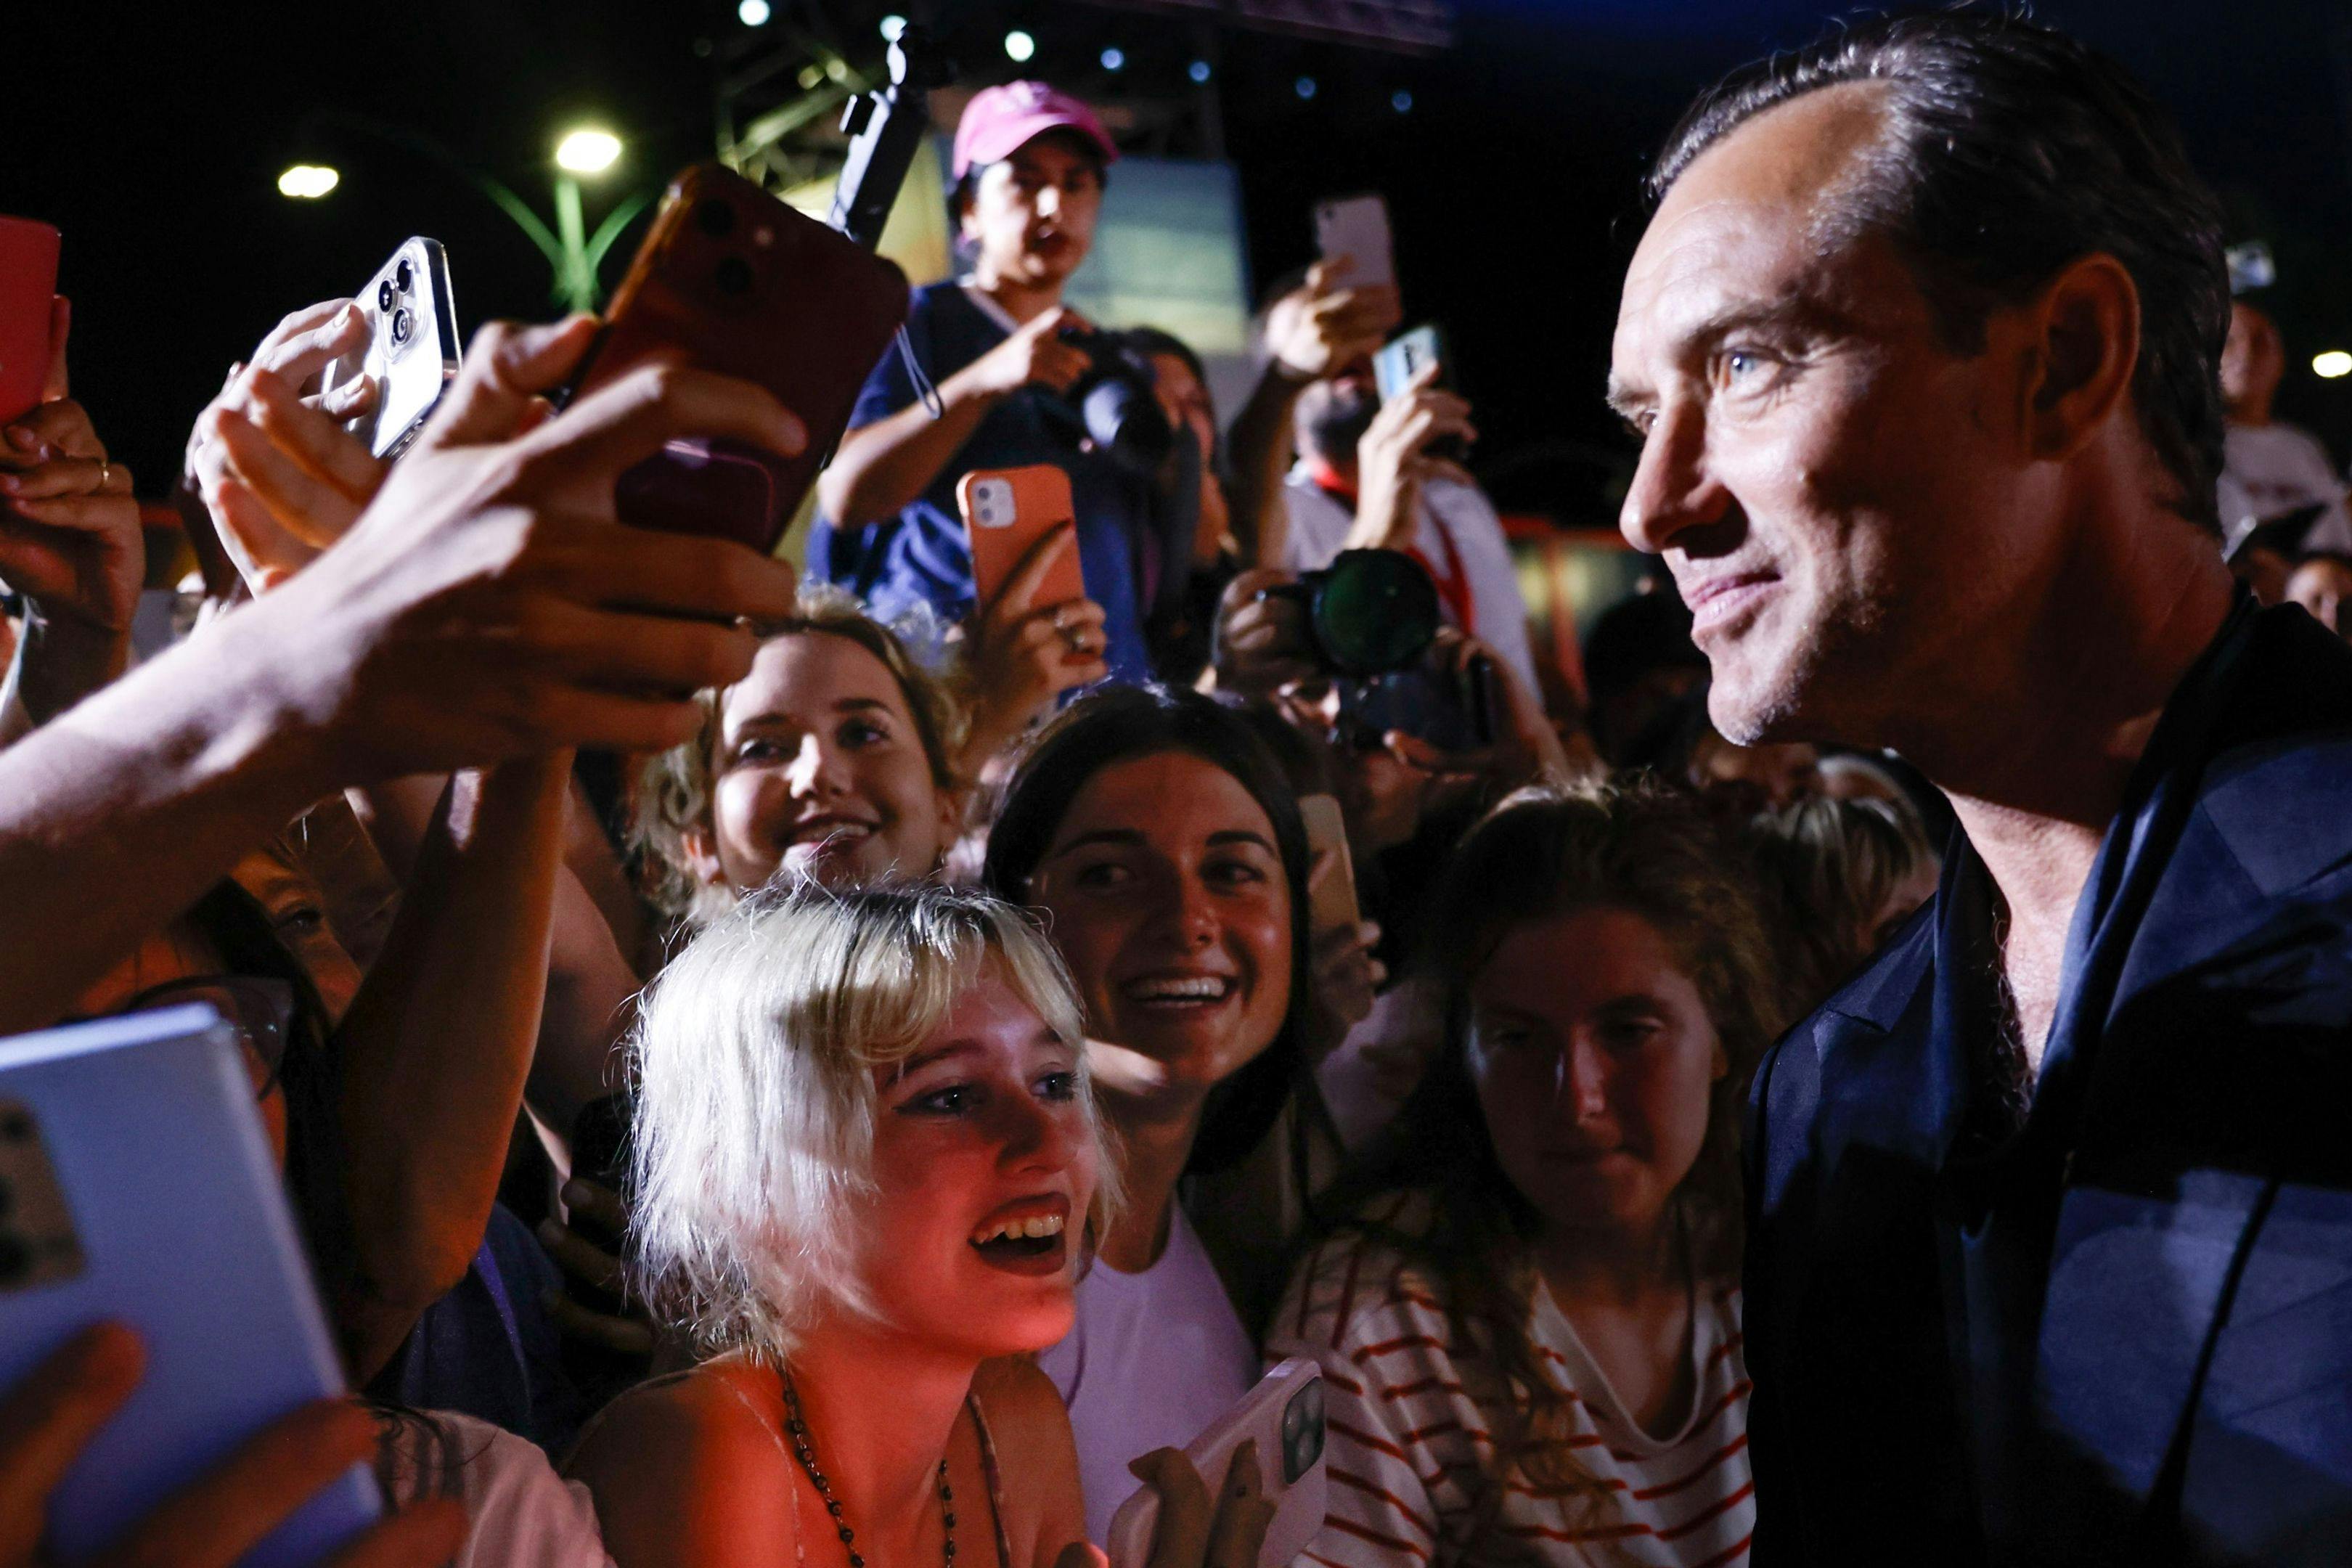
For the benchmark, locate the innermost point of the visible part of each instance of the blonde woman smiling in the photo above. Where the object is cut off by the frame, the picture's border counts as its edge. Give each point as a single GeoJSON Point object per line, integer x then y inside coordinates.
{"type": "Point", "coordinates": [869, 1164]}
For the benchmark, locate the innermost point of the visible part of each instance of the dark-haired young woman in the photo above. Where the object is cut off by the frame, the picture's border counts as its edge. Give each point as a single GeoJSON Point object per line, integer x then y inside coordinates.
{"type": "Point", "coordinates": [1163, 846]}
{"type": "Point", "coordinates": [1529, 1326]}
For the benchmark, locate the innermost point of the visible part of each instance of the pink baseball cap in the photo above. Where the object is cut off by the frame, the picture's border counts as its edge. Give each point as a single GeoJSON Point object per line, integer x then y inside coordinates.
{"type": "Point", "coordinates": [999, 121]}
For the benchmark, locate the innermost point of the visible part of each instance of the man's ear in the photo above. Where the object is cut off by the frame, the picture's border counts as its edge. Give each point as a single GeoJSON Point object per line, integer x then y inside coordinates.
{"type": "Point", "coordinates": [2082, 352]}
{"type": "Point", "coordinates": [702, 854]}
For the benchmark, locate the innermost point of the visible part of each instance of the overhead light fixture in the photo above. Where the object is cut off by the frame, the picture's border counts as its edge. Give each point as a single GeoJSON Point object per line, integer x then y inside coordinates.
{"type": "Point", "coordinates": [1114, 59]}
{"type": "Point", "coordinates": [1198, 70]}
{"type": "Point", "coordinates": [1304, 87]}
{"type": "Point", "coordinates": [753, 12]}
{"type": "Point", "coordinates": [1401, 100]}
{"type": "Point", "coordinates": [587, 151]}
{"type": "Point", "coordinates": [2327, 367]}
{"type": "Point", "coordinates": [308, 182]}
{"type": "Point", "coordinates": [891, 27]}
{"type": "Point", "coordinates": [1019, 47]}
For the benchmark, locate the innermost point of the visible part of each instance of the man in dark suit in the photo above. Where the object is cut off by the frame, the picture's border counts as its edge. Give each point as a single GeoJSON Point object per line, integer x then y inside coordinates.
{"type": "Point", "coordinates": [2051, 1208]}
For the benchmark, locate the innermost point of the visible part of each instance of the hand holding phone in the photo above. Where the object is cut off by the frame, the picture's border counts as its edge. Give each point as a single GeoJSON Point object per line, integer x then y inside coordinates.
{"type": "Point", "coordinates": [412, 349]}
{"type": "Point", "coordinates": [732, 280]}
{"type": "Point", "coordinates": [1036, 633]}
{"type": "Point", "coordinates": [1282, 1420]}
{"type": "Point", "coordinates": [29, 284]}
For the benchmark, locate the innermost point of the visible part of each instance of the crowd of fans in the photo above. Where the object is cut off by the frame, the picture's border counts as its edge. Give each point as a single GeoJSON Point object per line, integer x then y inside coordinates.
{"type": "Point", "coordinates": [817, 1069]}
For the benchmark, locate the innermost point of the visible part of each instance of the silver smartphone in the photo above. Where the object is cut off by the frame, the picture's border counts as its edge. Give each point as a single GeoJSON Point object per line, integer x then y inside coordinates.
{"type": "Point", "coordinates": [412, 349]}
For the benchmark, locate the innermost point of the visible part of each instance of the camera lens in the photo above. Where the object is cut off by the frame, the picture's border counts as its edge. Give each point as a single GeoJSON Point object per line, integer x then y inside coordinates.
{"type": "Point", "coordinates": [734, 276]}
{"type": "Point", "coordinates": [384, 297]}
{"type": "Point", "coordinates": [403, 324]}
{"type": "Point", "coordinates": [714, 217]}
{"type": "Point", "coordinates": [16, 1260]}
{"type": "Point", "coordinates": [404, 276]}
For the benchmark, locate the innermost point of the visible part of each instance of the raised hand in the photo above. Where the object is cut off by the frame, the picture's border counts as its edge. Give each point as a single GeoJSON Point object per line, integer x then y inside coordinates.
{"type": "Point", "coordinates": [488, 604]}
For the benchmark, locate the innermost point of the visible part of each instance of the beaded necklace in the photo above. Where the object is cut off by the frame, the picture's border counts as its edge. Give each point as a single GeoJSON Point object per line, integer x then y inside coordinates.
{"type": "Point", "coordinates": [796, 1427]}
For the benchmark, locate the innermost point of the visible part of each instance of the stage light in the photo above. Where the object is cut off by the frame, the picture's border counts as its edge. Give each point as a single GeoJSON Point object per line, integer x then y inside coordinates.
{"type": "Point", "coordinates": [1401, 102]}
{"type": "Point", "coordinates": [837, 68]}
{"type": "Point", "coordinates": [891, 27]}
{"type": "Point", "coordinates": [1113, 59]}
{"type": "Point", "coordinates": [753, 12]}
{"type": "Point", "coordinates": [1019, 47]}
{"type": "Point", "coordinates": [1198, 70]}
{"type": "Point", "coordinates": [1304, 87]}
{"type": "Point", "coordinates": [810, 76]}
{"type": "Point", "coordinates": [307, 182]}
{"type": "Point", "coordinates": [587, 151]}
{"type": "Point", "coordinates": [2328, 366]}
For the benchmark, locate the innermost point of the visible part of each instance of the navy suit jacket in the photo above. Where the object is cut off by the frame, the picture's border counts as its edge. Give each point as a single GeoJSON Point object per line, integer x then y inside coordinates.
{"type": "Point", "coordinates": [2122, 1330]}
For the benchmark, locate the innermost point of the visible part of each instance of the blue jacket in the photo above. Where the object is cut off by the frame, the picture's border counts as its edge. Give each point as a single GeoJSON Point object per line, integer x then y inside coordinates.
{"type": "Point", "coordinates": [2116, 1328]}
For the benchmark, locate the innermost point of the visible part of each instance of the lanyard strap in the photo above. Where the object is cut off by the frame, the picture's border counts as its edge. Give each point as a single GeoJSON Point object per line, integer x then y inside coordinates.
{"type": "Point", "coordinates": [1453, 583]}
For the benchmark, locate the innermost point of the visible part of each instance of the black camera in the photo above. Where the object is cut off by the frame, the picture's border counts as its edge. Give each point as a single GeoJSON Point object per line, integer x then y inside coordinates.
{"type": "Point", "coordinates": [1372, 617]}
{"type": "Point", "coordinates": [1369, 613]}
{"type": "Point", "coordinates": [1113, 404]}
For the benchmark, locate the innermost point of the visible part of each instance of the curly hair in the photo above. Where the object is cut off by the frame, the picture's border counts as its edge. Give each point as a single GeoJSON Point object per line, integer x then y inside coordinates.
{"type": "Point", "coordinates": [674, 794]}
{"type": "Point", "coordinates": [1640, 847]}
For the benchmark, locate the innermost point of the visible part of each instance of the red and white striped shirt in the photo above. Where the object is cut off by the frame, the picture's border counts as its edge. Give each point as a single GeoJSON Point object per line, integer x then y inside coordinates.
{"type": "Point", "coordinates": [1409, 1456]}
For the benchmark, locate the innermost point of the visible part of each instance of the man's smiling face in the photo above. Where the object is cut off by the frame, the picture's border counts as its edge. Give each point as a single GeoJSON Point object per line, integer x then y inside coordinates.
{"type": "Point", "coordinates": [1840, 496]}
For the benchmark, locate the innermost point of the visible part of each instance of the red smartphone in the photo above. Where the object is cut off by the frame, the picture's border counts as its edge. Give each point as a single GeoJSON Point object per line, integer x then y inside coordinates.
{"type": "Point", "coordinates": [744, 286]}
{"type": "Point", "coordinates": [28, 281]}
{"type": "Point", "coordinates": [1005, 512]}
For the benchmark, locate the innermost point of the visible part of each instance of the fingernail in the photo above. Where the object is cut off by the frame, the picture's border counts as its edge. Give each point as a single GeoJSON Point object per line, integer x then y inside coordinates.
{"type": "Point", "coordinates": [22, 438]}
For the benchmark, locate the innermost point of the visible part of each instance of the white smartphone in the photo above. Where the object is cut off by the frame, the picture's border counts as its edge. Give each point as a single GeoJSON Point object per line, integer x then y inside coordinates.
{"type": "Point", "coordinates": [412, 349]}
{"type": "Point", "coordinates": [137, 1185]}
{"type": "Point", "coordinates": [1285, 1413]}
{"type": "Point", "coordinates": [1358, 228]}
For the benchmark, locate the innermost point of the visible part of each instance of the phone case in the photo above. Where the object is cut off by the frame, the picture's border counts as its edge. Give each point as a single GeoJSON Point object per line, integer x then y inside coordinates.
{"type": "Point", "coordinates": [141, 1189]}
{"type": "Point", "coordinates": [1285, 1413]}
{"type": "Point", "coordinates": [1005, 512]}
{"type": "Point", "coordinates": [28, 281]}
{"type": "Point", "coordinates": [412, 346]}
{"type": "Point", "coordinates": [1358, 228]}
{"type": "Point", "coordinates": [742, 285]}
{"type": "Point", "coordinates": [1399, 362]}
{"type": "Point", "coordinates": [1327, 832]}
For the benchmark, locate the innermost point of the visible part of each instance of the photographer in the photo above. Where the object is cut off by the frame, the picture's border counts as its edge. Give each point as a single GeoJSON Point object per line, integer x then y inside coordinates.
{"type": "Point", "coordinates": [1029, 165]}
{"type": "Point", "coordinates": [1370, 476]}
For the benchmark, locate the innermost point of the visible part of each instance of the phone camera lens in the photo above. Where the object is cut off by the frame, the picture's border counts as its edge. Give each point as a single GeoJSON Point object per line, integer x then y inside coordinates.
{"type": "Point", "coordinates": [403, 324]}
{"type": "Point", "coordinates": [734, 276]}
{"type": "Point", "coordinates": [384, 297]}
{"type": "Point", "coordinates": [714, 217]}
{"type": "Point", "coordinates": [403, 278]}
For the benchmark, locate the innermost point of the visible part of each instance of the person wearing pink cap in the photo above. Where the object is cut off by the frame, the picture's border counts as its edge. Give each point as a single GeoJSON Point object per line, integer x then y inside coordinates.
{"type": "Point", "coordinates": [1029, 163]}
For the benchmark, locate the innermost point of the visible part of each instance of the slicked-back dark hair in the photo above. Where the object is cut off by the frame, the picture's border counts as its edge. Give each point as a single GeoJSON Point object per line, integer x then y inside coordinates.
{"type": "Point", "coordinates": [2012, 150]}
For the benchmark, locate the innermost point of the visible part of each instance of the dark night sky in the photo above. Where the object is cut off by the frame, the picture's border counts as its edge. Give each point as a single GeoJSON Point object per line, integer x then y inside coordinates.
{"type": "Point", "coordinates": [153, 136]}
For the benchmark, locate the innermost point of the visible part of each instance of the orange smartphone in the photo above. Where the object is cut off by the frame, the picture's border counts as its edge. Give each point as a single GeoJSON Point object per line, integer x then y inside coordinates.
{"type": "Point", "coordinates": [744, 285]}
{"type": "Point", "coordinates": [1005, 512]}
{"type": "Point", "coordinates": [28, 281]}
{"type": "Point", "coordinates": [1336, 903]}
